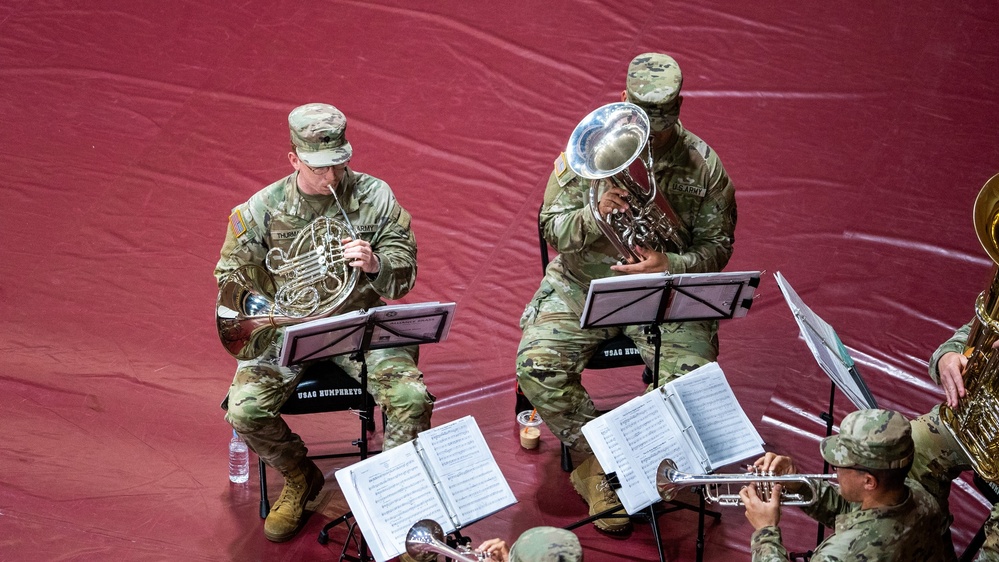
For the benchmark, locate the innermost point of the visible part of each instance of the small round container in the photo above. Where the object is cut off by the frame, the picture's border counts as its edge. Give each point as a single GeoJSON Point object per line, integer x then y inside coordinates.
{"type": "Point", "coordinates": [530, 430]}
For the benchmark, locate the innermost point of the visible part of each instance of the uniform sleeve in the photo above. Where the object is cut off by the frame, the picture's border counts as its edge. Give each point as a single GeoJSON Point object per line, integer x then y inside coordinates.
{"type": "Point", "coordinates": [955, 344]}
{"type": "Point", "coordinates": [766, 545]}
{"type": "Point", "coordinates": [244, 243]}
{"type": "Point", "coordinates": [713, 231]}
{"type": "Point", "coordinates": [567, 222]}
{"type": "Point", "coordinates": [395, 245]}
{"type": "Point", "coordinates": [828, 506]}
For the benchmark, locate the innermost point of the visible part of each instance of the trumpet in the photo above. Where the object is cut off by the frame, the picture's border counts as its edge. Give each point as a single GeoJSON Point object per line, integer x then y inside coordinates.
{"type": "Point", "coordinates": [718, 488]}
{"type": "Point", "coordinates": [426, 538]}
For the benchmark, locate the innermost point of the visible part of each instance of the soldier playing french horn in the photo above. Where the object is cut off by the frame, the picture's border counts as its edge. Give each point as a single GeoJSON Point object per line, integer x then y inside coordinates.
{"type": "Point", "coordinates": [335, 240]}
{"type": "Point", "coordinates": [574, 218]}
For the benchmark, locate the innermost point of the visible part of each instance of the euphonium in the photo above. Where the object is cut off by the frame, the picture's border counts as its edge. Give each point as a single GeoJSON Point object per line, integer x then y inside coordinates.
{"type": "Point", "coordinates": [975, 423]}
{"type": "Point", "coordinates": [718, 488]}
{"type": "Point", "coordinates": [426, 539]}
{"type": "Point", "coordinates": [605, 148]}
{"type": "Point", "coordinates": [313, 281]}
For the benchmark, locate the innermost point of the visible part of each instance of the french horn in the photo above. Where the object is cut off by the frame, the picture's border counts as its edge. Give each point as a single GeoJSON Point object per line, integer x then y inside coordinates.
{"type": "Point", "coordinates": [310, 280]}
{"type": "Point", "coordinates": [975, 423]}
{"type": "Point", "coordinates": [607, 147]}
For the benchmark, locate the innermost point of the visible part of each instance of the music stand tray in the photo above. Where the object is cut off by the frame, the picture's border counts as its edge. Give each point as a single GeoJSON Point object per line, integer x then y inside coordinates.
{"type": "Point", "coordinates": [654, 298]}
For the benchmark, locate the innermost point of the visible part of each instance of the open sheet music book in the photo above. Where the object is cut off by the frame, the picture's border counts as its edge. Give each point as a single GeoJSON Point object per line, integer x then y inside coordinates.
{"type": "Point", "coordinates": [392, 325]}
{"type": "Point", "coordinates": [827, 348]}
{"type": "Point", "coordinates": [446, 474]}
{"type": "Point", "coordinates": [694, 420]}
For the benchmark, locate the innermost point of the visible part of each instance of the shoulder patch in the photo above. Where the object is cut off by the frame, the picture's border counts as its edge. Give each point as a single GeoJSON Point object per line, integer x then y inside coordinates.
{"type": "Point", "coordinates": [237, 224]}
{"type": "Point", "coordinates": [404, 218]}
{"type": "Point", "coordinates": [563, 173]}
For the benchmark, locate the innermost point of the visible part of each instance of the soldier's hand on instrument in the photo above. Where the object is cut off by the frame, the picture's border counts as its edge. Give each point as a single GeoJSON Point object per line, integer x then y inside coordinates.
{"type": "Point", "coordinates": [496, 548]}
{"type": "Point", "coordinates": [359, 253]}
{"type": "Point", "coordinates": [951, 368]}
{"type": "Point", "coordinates": [614, 200]}
{"type": "Point", "coordinates": [761, 513]}
{"type": "Point", "coordinates": [776, 464]}
{"type": "Point", "coordinates": [651, 262]}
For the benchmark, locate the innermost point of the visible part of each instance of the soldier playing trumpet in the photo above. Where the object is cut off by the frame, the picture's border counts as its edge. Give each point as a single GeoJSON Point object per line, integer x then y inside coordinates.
{"type": "Point", "coordinates": [265, 230]}
{"type": "Point", "coordinates": [877, 513]}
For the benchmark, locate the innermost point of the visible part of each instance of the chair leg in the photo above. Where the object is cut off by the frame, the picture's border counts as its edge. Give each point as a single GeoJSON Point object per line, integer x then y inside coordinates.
{"type": "Point", "coordinates": [265, 504]}
{"type": "Point", "coordinates": [566, 459]}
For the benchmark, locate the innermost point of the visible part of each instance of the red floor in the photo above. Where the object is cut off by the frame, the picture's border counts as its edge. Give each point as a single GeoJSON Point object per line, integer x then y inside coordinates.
{"type": "Point", "coordinates": [857, 135]}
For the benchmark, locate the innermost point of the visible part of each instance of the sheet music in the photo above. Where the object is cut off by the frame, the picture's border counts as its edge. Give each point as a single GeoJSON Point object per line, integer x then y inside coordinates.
{"type": "Point", "coordinates": [827, 348]}
{"type": "Point", "coordinates": [720, 425]}
{"type": "Point", "coordinates": [707, 295]}
{"type": "Point", "coordinates": [324, 337]}
{"type": "Point", "coordinates": [457, 455]}
{"type": "Point", "coordinates": [398, 325]}
{"type": "Point", "coordinates": [623, 443]}
{"type": "Point", "coordinates": [387, 494]}
{"type": "Point", "coordinates": [391, 326]}
{"type": "Point", "coordinates": [632, 439]}
{"type": "Point", "coordinates": [638, 299]}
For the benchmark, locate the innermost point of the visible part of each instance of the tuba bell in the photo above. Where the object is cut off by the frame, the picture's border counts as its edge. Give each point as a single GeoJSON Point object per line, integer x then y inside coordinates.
{"type": "Point", "coordinates": [607, 147]}
{"type": "Point", "coordinates": [425, 540]}
{"type": "Point", "coordinates": [315, 281]}
{"type": "Point", "coordinates": [976, 422]}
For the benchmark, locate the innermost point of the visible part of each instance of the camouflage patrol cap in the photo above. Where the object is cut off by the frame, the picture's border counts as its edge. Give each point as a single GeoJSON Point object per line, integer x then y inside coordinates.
{"type": "Point", "coordinates": [874, 439]}
{"type": "Point", "coordinates": [546, 544]}
{"type": "Point", "coordinates": [318, 133]}
{"type": "Point", "coordinates": [653, 79]}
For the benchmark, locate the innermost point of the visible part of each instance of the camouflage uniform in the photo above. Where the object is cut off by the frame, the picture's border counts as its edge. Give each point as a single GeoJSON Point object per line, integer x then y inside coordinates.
{"type": "Point", "coordinates": [554, 349]}
{"type": "Point", "coordinates": [272, 218]}
{"type": "Point", "coordinates": [912, 530]}
{"type": "Point", "coordinates": [546, 544]}
{"type": "Point", "coordinates": [939, 457]}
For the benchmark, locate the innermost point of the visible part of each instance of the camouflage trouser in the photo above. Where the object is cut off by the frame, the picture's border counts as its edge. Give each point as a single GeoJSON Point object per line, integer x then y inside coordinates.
{"type": "Point", "coordinates": [261, 386]}
{"type": "Point", "coordinates": [939, 460]}
{"type": "Point", "coordinates": [554, 350]}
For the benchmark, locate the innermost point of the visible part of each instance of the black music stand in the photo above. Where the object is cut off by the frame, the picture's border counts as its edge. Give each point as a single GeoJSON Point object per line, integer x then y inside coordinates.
{"type": "Point", "coordinates": [653, 299]}
{"type": "Point", "coordinates": [832, 357]}
{"type": "Point", "coordinates": [357, 333]}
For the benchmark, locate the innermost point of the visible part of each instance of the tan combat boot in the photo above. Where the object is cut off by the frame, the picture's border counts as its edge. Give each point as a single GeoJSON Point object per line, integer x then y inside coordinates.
{"type": "Point", "coordinates": [590, 482]}
{"type": "Point", "coordinates": [301, 484]}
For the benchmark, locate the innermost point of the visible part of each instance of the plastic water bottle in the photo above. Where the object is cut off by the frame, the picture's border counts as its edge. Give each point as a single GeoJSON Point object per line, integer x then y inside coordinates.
{"type": "Point", "coordinates": [239, 459]}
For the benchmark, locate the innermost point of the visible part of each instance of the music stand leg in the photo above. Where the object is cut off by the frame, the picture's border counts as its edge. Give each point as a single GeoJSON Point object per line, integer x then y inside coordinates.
{"type": "Point", "coordinates": [828, 418]}
{"type": "Point", "coordinates": [362, 547]}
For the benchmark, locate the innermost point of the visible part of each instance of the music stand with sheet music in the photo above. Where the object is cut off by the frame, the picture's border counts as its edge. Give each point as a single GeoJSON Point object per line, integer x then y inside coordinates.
{"type": "Point", "coordinates": [357, 333]}
{"type": "Point", "coordinates": [833, 359]}
{"type": "Point", "coordinates": [656, 298]}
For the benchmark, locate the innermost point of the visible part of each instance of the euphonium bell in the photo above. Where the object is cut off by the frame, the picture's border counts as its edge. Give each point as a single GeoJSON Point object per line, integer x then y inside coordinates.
{"type": "Point", "coordinates": [605, 148]}
{"type": "Point", "coordinates": [723, 489]}
{"type": "Point", "coordinates": [975, 423]}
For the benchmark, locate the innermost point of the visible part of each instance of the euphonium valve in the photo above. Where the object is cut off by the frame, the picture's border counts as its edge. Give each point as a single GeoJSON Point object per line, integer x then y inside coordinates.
{"type": "Point", "coordinates": [605, 148]}
{"type": "Point", "coordinates": [723, 489]}
{"type": "Point", "coordinates": [975, 423]}
{"type": "Point", "coordinates": [425, 540]}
